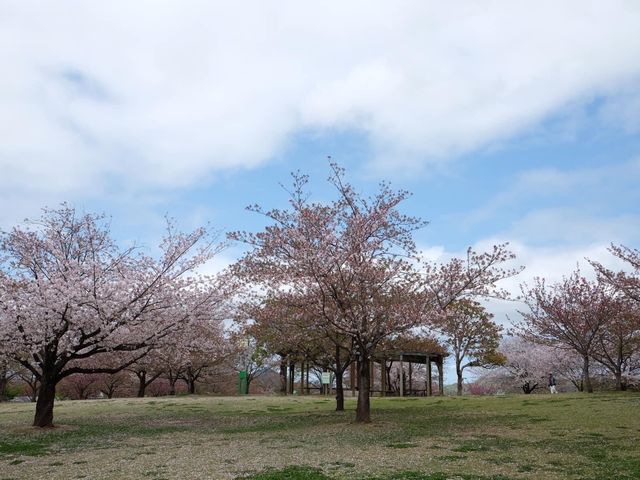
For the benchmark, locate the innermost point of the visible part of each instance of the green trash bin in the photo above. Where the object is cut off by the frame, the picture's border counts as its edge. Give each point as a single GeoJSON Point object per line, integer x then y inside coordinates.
{"type": "Point", "coordinates": [242, 383]}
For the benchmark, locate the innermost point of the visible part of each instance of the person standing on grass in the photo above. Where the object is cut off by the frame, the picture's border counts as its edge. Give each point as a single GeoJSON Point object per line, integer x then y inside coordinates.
{"type": "Point", "coordinates": [552, 384]}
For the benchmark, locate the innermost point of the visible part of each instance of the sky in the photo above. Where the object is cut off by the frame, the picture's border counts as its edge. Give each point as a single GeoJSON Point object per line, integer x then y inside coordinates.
{"type": "Point", "coordinates": [507, 120]}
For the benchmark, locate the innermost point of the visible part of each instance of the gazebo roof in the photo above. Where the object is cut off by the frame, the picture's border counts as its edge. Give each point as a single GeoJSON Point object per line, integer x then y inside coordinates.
{"type": "Point", "coordinates": [409, 356]}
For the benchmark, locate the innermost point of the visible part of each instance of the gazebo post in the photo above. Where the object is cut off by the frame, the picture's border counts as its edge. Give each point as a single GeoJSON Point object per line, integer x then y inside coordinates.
{"type": "Point", "coordinates": [307, 379]}
{"type": "Point", "coordinates": [288, 378]}
{"type": "Point", "coordinates": [410, 379]}
{"type": "Point", "coordinates": [429, 378]}
{"type": "Point", "coordinates": [401, 376]}
{"type": "Point", "coordinates": [292, 377]}
{"type": "Point", "coordinates": [440, 377]}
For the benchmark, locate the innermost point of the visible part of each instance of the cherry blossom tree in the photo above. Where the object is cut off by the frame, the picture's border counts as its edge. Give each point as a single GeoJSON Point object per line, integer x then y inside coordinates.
{"type": "Point", "coordinates": [472, 336]}
{"type": "Point", "coordinates": [335, 354]}
{"type": "Point", "coordinates": [571, 313]}
{"type": "Point", "coordinates": [291, 323]}
{"type": "Point", "coordinates": [618, 342]}
{"type": "Point", "coordinates": [190, 351]}
{"type": "Point", "coordinates": [566, 363]}
{"type": "Point", "coordinates": [627, 282]}
{"type": "Point", "coordinates": [69, 293]}
{"type": "Point", "coordinates": [252, 357]}
{"type": "Point", "coordinates": [325, 347]}
{"type": "Point", "coordinates": [7, 373]}
{"type": "Point", "coordinates": [194, 347]}
{"type": "Point", "coordinates": [618, 346]}
{"type": "Point", "coordinates": [205, 352]}
{"type": "Point", "coordinates": [526, 364]}
{"type": "Point", "coordinates": [356, 259]}
{"type": "Point", "coordinates": [110, 383]}
{"type": "Point", "coordinates": [146, 370]}
{"type": "Point", "coordinates": [78, 386]}
{"type": "Point", "coordinates": [266, 330]}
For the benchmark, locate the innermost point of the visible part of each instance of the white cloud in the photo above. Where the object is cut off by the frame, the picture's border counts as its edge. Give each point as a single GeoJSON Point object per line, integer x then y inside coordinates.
{"type": "Point", "coordinates": [551, 263]}
{"type": "Point", "coordinates": [593, 188]}
{"type": "Point", "coordinates": [434, 253]}
{"type": "Point", "coordinates": [166, 93]}
{"type": "Point", "coordinates": [217, 264]}
{"type": "Point", "coordinates": [572, 226]}
{"type": "Point", "coordinates": [551, 243]}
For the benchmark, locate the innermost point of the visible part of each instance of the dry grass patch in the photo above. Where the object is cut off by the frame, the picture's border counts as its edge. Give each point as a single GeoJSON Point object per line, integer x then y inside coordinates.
{"type": "Point", "coordinates": [516, 437]}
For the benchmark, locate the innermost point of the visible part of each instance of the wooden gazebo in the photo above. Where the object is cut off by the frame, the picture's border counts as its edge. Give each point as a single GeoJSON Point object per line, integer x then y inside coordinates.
{"type": "Point", "coordinates": [411, 357]}
{"type": "Point", "coordinates": [405, 349]}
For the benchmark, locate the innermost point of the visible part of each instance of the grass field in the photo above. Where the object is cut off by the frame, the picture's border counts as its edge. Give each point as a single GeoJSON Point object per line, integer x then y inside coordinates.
{"type": "Point", "coordinates": [571, 436]}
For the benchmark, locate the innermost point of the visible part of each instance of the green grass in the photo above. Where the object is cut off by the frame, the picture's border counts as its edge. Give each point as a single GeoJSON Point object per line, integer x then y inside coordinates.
{"type": "Point", "coordinates": [573, 436]}
{"type": "Point", "coordinates": [31, 447]}
{"type": "Point", "coordinates": [290, 473]}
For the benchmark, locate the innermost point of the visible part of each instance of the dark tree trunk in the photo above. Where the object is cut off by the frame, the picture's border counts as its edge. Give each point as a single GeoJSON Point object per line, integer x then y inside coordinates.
{"type": "Point", "coordinates": [283, 376]}
{"type": "Point", "coordinates": [339, 392]}
{"type": "Point", "coordinates": [83, 391]}
{"type": "Point", "coordinates": [44, 404]}
{"type": "Point", "coordinates": [585, 375]}
{"type": "Point", "coordinates": [173, 379]}
{"type": "Point", "coordinates": [339, 384]}
{"type": "Point", "coordinates": [363, 409]}
{"type": "Point", "coordinates": [292, 376]}
{"type": "Point", "coordinates": [3, 387]}
{"type": "Point", "coordinates": [190, 378]}
{"type": "Point", "coordinates": [459, 390]}
{"type": "Point", "coordinates": [619, 385]}
{"type": "Point", "coordinates": [142, 383]}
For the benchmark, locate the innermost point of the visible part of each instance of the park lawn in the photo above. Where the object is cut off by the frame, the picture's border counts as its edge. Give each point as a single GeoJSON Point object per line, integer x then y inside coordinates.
{"type": "Point", "coordinates": [573, 436]}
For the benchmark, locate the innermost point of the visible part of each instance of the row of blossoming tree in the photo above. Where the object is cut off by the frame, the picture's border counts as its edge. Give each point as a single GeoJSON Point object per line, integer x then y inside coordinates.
{"type": "Point", "coordinates": [335, 283]}
{"type": "Point", "coordinates": [344, 274]}
{"type": "Point", "coordinates": [578, 325]}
